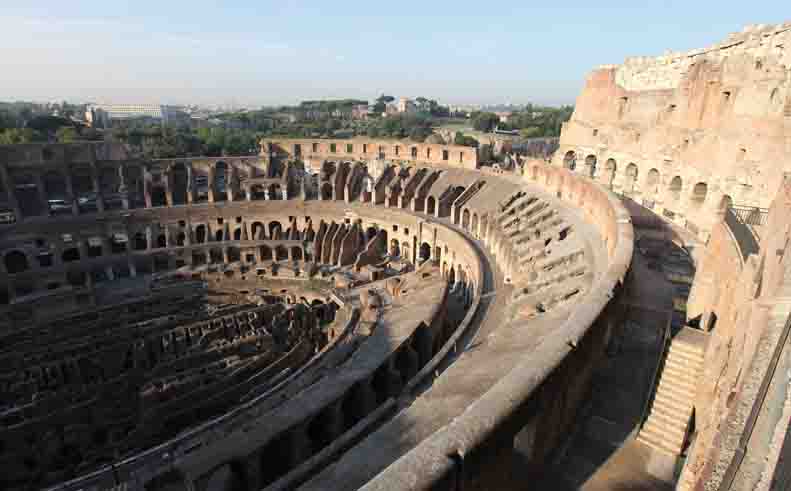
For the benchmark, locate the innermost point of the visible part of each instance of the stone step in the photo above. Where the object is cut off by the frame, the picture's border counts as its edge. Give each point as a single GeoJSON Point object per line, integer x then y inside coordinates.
{"type": "Point", "coordinates": [674, 371]}
{"type": "Point", "coordinates": [687, 349]}
{"type": "Point", "coordinates": [658, 445]}
{"type": "Point", "coordinates": [681, 378]}
{"type": "Point", "coordinates": [671, 433]}
{"type": "Point", "coordinates": [685, 358]}
{"type": "Point", "coordinates": [680, 390]}
{"type": "Point", "coordinates": [671, 417]}
{"type": "Point", "coordinates": [657, 441]}
{"type": "Point", "coordinates": [659, 434]}
{"type": "Point", "coordinates": [672, 405]}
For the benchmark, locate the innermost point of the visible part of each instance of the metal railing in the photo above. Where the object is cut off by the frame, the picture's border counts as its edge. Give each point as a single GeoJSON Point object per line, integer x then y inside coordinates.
{"type": "Point", "coordinates": [744, 236]}
{"type": "Point", "coordinates": [750, 215]}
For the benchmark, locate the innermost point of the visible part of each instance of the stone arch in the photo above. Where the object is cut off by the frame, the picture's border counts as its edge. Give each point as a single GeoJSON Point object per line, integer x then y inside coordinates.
{"type": "Point", "coordinates": [425, 252]}
{"type": "Point", "coordinates": [726, 202]}
{"type": "Point", "coordinates": [25, 189]}
{"type": "Point", "coordinates": [474, 224]}
{"type": "Point", "coordinates": [275, 230]}
{"type": "Point", "coordinates": [201, 234]}
{"type": "Point", "coordinates": [266, 252]}
{"type": "Point", "coordinates": [652, 181]}
{"type": "Point", "coordinates": [326, 191]}
{"type": "Point", "coordinates": [465, 219]}
{"type": "Point", "coordinates": [699, 192]}
{"type": "Point", "coordinates": [431, 205]}
{"type": "Point", "coordinates": [296, 253]}
{"type": "Point", "coordinates": [139, 242]}
{"type": "Point", "coordinates": [631, 177]}
{"type": "Point", "coordinates": [15, 262]}
{"type": "Point", "coordinates": [161, 241]}
{"type": "Point", "coordinates": [180, 184]}
{"type": "Point", "coordinates": [590, 165]}
{"type": "Point", "coordinates": [395, 248]}
{"type": "Point", "coordinates": [258, 230]}
{"type": "Point", "coordinates": [281, 253]}
{"type": "Point", "coordinates": [274, 191]}
{"type": "Point", "coordinates": [675, 187]}
{"type": "Point", "coordinates": [70, 254]}
{"type": "Point", "coordinates": [55, 185]}
{"type": "Point", "coordinates": [570, 160]}
{"type": "Point", "coordinates": [219, 235]}
{"type": "Point", "coordinates": [237, 234]}
{"type": "Point", "coordinates": [181, 239]}
{"type": "Point", "coordinates": [220, 182]}
{"type": "Point", "coordinates": [610, 170]}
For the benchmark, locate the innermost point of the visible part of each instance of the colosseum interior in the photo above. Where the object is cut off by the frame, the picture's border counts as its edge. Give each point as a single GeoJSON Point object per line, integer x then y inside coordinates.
{"type": "Point", "coordinates": [380, 315]}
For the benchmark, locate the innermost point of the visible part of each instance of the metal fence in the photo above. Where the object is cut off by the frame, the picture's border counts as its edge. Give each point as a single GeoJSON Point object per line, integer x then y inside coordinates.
{"type": "Point", "coordinates": [744, 236]}
{"type": "Point", "coordinates": [750, 215]}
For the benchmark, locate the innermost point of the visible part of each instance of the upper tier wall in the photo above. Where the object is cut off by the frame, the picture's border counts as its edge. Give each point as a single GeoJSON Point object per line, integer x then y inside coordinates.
{"type": "Point", "coordinates": [686, 134]}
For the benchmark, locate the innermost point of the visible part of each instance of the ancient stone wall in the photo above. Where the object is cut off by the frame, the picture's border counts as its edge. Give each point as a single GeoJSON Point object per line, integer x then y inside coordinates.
{"type": "Point", "coordinates": [687, 134]}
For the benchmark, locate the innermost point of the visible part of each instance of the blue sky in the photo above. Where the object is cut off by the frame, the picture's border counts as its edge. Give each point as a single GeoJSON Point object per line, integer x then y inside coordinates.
{"type": "Point", "coordinates": [262, 52]}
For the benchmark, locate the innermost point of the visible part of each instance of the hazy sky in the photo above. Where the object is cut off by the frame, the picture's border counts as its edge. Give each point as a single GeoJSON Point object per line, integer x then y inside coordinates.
{"type": "Point", "coordinates": [262, 52]}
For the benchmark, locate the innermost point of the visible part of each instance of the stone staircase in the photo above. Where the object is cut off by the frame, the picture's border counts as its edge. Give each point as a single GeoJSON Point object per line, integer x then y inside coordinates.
{"type": "Point", "coordinates": [665, 428]}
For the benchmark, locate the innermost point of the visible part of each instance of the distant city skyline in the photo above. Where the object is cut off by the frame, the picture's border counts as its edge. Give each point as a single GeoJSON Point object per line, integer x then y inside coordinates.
{"type": "Point", "coordinates": [261, 53]}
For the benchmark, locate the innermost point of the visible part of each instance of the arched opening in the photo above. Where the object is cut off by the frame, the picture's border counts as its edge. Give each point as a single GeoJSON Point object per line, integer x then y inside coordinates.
{"type": "Point", "coordinates": [266, 253]}
{"type": "Point", "coordinates": [258, 230]}
{"type": "Point", "coordinates": [431, 205]}
{"type": "Point", "coordinates": [237, 234]}
{"type": "Point", "coordinates": [726, 202]}
{"type": "Point", "coordinates": [675, 189]}
{"type": "Point", "coordinates": [110, 187]}
{"type": "Point", "coordinates": [326, 191]}
{"type": "Point", "coordinates": [58, 199]}
{"type": "Point", "coordinates": [465, 219]}
{"type": "Point", "coordinates": [133, 177]}
{"type": "Point", "coordinates": [180, 184]}
{"type": "Point", "coordinates": [181, 239]}
{"type": "Point", "coordinates": [474, 224]}
{"type": "Point", "coordinates": [395, 248]}
{"type": "Point", "coordinates": [425, 252]}
{"type": "Point", "coordinates": [220, 181]}
{"type": "Point", "coordinates": [631, 178]}
{"type": "Point", "coordinates": [72, 254]}
{"type": "Point", "coordinates": [281, 254]}
{"type": "Point", "coordinates": [200, 234]}
{"type": "Point", "coordinates": [139, 242]}
{"type": "Point", "coordinates": [274, 192]}
{"type": "Point", "coordinates": [161, 241]}
{"type": "Point", "coordinates": [26, 192]}
{"type": "Point", "coordinates": [590, 165]}
{"type": "Point", "coordinates": [15, 262]}
{"type": "Point", "coordinates": [610, 168]}
{"type": "Point", "coordinates": [234, 255]}
{"type": "Point", "coordinates": [699, 193]}
{"type": "Point", "coordinates": [370, 233]}
{"type": "Point", "coordinates": [570, 160]}
{"type": "Point", "coordinates": [158, 196]}
{"type": "Point", "coordinates": [219, 235]}
{"type": "Point", "coordinates": [275, 231]}
{"type": "Point", "coordinates": [296, 253]}
{"type": "Point", "coordinates": [652, 183]}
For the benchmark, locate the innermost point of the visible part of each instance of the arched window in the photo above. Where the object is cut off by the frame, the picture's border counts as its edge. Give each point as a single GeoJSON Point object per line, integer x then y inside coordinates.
{"type": "Point", "coordinates": [431, 205]}
{"type": "Point", "coordinates": [699, 193]}
{"type": "Point", "coordinates": [675, 188]}
{"type": "Point", "coordinates": [425, 252]}
{"type": "Point", "coordinates": [570, 160]}
{"type": "Point", "coordinates": [15, 262]}
{"type": "Point", "coordinates": [652, 183]}
{"type": "Point", "coordinates": [610, 168]}
{"type": "Point", "coordinates": [590, 165]}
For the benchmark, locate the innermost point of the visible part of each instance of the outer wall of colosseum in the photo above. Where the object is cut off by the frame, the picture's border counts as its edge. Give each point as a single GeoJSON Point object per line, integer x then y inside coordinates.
{"type": "Point", "coordinates": [703, 140]}
{"type": "Point", "coordinates": [686, 134]}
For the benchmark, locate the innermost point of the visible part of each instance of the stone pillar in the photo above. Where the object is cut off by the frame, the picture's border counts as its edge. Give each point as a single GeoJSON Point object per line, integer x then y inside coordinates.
{"type": "Point", "coordinates": [190, 184]}
{"type": "Point", "coordinates": [122, 188]}
{"type": "Point", "coordinates": [167, 236]}
{"type": "Point", "coordinates": [168, 188]}
{"type": "Point", "coordinates": [188, 234]}
{"type": "Point", "coordinates": [211, 184]}
{"type": "Point", "coordinates": [75, 207]}
{"type": "Point", "coordinates": [248, 194]}
{"type": "Point", "coordinates": [95, 183]}
{"type": "Point", "coordinates": [225, 258]}
{"type": "Point", "coordinates": [149, 238]}
{"type": "Point", "coordinates": [229, 181]}
{"type": "Point", "coordinates": [147, 187]}
{"type": "Point", "coordinates": [132, 269]}
{"type": "Point", "coordinates": [42, 193]}
{"type": "Point", "coordinates": [10, 188]}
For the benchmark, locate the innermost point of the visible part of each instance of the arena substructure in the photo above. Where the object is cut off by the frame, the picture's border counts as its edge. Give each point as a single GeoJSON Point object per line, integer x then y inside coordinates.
{"type": "Point", "coordinates": [294, 320]}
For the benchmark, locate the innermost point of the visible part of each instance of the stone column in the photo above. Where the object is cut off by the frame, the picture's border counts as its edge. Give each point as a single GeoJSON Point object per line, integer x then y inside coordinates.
{"type": "Point", "coordinates": [168, 188]}
{"type": "Point", "coordinates": [95, 183]}
{"type": "Point", "coordinates": [211, 184]}
{"type": "Point", "coordinates": [167, 236]}
{"type": "Point", "coordinates": [42, 193]}
{"type": "Point", "coordinates": [10, 190]}
{"type": "Point", "coordinates": [122, 188]}
{"type": "Point", "coordinates": [188, 234]}
{"type": "Point", "coordinates": [147, 187]}
{"type": "Point", "coordinates": [149, 238]}
{"type": "Point", "coordinates": [229, 181]}
{"type": "Point", "coordinates": [225, 257]}
{"type": "Point", "coordinates": [190, 184]}
{"type": "Point", "coordinates": [75, 207]}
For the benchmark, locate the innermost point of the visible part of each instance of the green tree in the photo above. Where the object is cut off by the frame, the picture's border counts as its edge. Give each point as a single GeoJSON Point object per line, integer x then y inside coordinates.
{"type": "Point", "coordinates": [15, 136]}
{"type": "Point", "coordinates": [66, 134]}
{"type": "Point", "coordinates": [484, 121]}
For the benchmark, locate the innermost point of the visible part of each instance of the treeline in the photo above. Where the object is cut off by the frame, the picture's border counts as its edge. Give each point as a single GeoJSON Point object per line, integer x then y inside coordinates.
{"type": "Point", "coordinates": [161, 142]}
{"type": "Point", "coordinates": [532, 121]}
{"type": "Point", "coordinates": [30, 122]}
